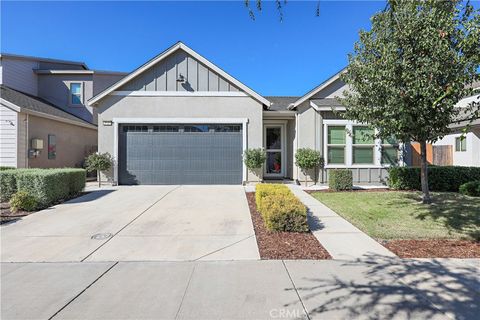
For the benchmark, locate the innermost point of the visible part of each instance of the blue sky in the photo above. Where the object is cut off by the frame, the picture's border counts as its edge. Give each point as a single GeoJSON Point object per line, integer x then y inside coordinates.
{"type": "Point", "coordinates": [272, 57]}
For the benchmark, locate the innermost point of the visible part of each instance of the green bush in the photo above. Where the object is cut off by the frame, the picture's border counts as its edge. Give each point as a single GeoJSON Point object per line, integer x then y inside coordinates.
{"type": "Point", "coordinates": [447, 178]}
{"type": "Point", "coordinates": [22, 200]}
{"type": "Point", "coordinates": [8, 184]}
{"type": "Point", "coordinates": [307, 159]}
{"type": "Point", "coordinates": [280, 209]}
{"type": "Point", "coordinates": [254, 158]}
{"type": "Point", "coordinates": [340, 179]}
{"type": "Point", "coordinates": [6, 168]}
{"type": "Point", "coordinates": [50, 186]}
{"type": "Point", "coordinates": [471, 188]}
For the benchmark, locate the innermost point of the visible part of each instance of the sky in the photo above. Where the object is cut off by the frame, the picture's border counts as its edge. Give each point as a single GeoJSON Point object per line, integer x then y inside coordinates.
{"type": "Point", "coordinates": [273, 57]}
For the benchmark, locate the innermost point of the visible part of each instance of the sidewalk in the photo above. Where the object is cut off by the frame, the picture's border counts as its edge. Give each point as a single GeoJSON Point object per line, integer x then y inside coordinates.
{"type": "Point", "coordinates": [338, 236]}
{"type": "Point", "coordinates": [373, 288]}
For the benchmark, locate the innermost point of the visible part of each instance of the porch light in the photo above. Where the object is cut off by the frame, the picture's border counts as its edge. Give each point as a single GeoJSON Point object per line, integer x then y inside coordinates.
{"type": "Point", "coordinates": [181, 78]}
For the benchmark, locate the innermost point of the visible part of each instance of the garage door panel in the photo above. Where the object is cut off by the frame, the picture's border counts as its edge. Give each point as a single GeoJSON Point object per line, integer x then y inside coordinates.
{"type": "Point", "coordinates": [150, 157]}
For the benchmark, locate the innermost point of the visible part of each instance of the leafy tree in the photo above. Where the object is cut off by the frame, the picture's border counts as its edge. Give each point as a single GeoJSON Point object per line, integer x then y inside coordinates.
{"type": "Point", "coordinates": [100, 162]}
{"type": "Point", "coordinates": [407, 73]}
{"type": "Point", "coordinates": [254, 158]}
{"type": "Point", "coordinates": [307, 159]}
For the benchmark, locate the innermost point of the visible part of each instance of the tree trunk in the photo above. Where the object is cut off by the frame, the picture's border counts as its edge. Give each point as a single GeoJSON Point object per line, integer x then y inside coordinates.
{"type": "Point", "coordinates": [424, 173]}
{"type": "Point", "coordinates": [99, 179]}
{"type": "Point", "coordinates": [305, 173]}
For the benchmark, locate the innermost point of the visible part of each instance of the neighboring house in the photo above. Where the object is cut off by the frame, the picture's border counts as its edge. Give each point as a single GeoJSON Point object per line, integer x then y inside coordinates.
{"type": "Point", "coordinates": [180, 119]}
{"type": "Point", "coordinates": [462, 147]}
{"type": "Point", "coordinates": [45, 120]}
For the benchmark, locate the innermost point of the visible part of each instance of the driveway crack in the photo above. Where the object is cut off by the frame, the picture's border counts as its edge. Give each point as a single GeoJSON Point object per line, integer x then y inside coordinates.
{"type": "Point", "coordinates": [223, 248]}
{"type": "Point", "coordinates": [296, 291]}
{"type": "Point", "coordinates": [129, 223]}
{"type": "Point", "coordinates": [185, 292]}
{"type": "Point", "coordinates": [81, 292]}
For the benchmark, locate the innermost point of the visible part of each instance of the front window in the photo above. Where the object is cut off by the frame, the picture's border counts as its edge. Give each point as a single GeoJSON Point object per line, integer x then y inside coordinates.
{"type": "Point", "coordinates": [336, 144]}
{"type": "Point", "coordinates": [76, 93]}
{"type": "Point", "coordinates": [363, 145]}
{"type": "Point", "coordinates": [390, 151]}
{"type": "Point", "coordinates": [461, 144]}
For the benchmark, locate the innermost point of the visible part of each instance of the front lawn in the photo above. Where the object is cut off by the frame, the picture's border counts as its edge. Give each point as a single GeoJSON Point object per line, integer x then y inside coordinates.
{"type": "Point", "coordinates": [400, 215]}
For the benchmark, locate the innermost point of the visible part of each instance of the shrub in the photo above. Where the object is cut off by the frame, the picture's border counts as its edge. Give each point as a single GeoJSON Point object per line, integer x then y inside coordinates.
{"type": "Point", "coordinates": [340, 179]}
{"type": "Point", "coordinates": [99, 162]}
{"type": "Point", "coordinates": [280, 209]}
{"type": "Point", "coordinates": [8, 184]}
{"type": "Point", "coordinates": [22, 200]}
{"type": "Point", "coordinates": [447, 178]}
{"type": "Point", "coordinates": [49, 186]}
{"type": "Point", "coordinates": [6, 168]}
{"type": "Point", "coordinates": [471, 188]}
{"type": "Point", "coordinates": [254, 158]}
{"type": "Point", "coordinates": [306, 159]}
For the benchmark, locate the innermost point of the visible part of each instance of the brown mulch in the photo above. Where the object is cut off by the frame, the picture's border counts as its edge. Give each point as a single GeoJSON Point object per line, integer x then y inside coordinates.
{"type": "Point", "coordinates": [283, 245]}
{"type": "Point", "coordinates": [8, 216]}
{"type": "Point", "coordinates": [433, 248]}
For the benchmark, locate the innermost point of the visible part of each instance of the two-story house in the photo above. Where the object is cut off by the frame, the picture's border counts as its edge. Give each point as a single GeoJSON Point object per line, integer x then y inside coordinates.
{"type": "Point", "coordinates": [45, 120]}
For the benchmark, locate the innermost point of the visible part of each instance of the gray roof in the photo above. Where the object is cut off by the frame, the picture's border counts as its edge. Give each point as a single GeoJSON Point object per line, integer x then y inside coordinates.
{"type": "Point", "coordinates": [29, 102]}
{"type": "Point", "coordinates": [280, 103]}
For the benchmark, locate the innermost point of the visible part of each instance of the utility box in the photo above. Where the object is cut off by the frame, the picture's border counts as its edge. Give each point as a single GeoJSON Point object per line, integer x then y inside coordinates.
{"type": "Point", "coordinates": [37, 144]}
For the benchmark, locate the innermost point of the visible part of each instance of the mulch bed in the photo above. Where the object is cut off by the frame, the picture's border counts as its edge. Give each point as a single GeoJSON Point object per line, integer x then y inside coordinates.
{"type": "Point", "coordinates": [283, 245]}
{"type": "Point", "coordinates": [7, 216]}
{"type": "Point", "coordinates": [433, 248]}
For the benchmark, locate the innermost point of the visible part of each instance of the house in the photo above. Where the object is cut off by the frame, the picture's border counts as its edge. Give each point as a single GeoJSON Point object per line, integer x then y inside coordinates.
{"type": "Point", "coordinates": [45, 120]}
{"type": "Point", "coordinates": [180, 119]}
{"type": "Point", "coordinates": [462, 146]}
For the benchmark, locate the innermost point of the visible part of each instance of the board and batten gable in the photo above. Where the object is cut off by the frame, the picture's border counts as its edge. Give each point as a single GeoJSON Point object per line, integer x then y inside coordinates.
{"type": "Point", "coordinates": [8, 137]}
{"type": "Point", "coordinates": [163, 76]}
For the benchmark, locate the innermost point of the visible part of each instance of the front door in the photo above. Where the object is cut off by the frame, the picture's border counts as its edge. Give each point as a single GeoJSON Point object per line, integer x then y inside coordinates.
{"type": "Point", "coordinates": [274, 147]}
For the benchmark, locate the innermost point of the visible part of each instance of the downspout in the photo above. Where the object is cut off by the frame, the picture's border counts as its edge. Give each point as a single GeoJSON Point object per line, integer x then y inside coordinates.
{"type": "Point", "coordinates": [297, 128]}
{"type": "Point", "coordinates": [26, 140]}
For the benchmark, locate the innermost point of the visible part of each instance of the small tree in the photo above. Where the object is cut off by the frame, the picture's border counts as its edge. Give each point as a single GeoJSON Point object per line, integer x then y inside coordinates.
{"type": "Point", "coordinates": [307, 159]}
{"type": "Point", "coordinates": [254, 159]}
{"type": "Point", "coordinates": [99, 162]}
{"type": "Point", "coordinates": [407, 73]}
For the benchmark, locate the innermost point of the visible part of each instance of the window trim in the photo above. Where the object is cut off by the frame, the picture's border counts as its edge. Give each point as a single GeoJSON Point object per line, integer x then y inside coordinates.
{"type": "Point", "coordinates": [333, 145]}
{"type": "Point", "coordinates": [71, 94]}
{"type": "Point", "coordinates": [462, 142]}
{"type": "Point", "coordinates": [349, 124]}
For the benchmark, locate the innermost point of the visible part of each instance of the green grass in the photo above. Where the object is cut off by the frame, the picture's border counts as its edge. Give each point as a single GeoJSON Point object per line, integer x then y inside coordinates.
{"type": "Point", "coordinates": [401, 215]}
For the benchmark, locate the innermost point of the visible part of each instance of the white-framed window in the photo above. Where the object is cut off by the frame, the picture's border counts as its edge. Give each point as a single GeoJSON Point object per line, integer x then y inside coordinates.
{"type": "Point", "coordinates": [76, 96]}
{"type": "Point", "coordinates": [336, 144]}
{"type": "Point", "coordinates": [461, 144]}
{"type": "Point", "coordinates": [351, 144]}
{"type": "Point", "coordinates": [363, 145]}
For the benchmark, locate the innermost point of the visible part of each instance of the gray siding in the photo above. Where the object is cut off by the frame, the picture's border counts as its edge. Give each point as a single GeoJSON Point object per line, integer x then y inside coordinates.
{"type": "Point", "coordinates": [335, 89]}
{"type": "Point", "coordinates": [163, 76]}
{"type": "Point", "coordinates": [8, 137]}
{"type": "Point", "coordinates": [18, 74]}
{"type": "Point", "coordinates": [56, 89]}
{"type": "Point", "coordinates": [103, 81]}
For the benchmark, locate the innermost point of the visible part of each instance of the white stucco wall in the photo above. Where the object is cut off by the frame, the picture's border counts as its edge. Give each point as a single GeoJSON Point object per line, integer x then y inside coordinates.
{"type": "Point", "coordinates": [180, 107]}
{"type": "Point", "coordinates": [471, 157]}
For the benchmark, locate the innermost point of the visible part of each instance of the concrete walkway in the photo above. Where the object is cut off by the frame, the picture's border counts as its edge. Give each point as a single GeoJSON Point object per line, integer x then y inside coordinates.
{"type": "Point", "coordinates": [372, 288]}
{"type": "Point", "coordinates": [338, 236]}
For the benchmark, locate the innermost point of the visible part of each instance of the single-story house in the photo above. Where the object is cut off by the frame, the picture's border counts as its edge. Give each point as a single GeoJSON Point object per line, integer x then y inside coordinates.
{"type": "Point", "coordinates": [180, 119]}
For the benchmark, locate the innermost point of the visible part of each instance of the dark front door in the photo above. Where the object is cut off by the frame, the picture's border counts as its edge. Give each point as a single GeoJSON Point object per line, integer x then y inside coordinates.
{"type": "Point", "coordinates": [180, 154]}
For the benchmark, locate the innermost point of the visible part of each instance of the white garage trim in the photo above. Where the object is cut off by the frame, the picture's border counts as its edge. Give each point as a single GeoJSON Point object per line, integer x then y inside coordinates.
{"type": "Point", "coordinates": [117, 121]}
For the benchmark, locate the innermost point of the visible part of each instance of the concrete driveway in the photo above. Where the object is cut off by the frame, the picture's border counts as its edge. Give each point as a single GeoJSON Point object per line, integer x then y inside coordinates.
{"type": "Point", "coordinates": [137, 223]}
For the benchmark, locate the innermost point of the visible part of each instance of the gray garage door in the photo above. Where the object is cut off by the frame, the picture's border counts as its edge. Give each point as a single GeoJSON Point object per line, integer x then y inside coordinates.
{"type": "Point", "coordinates": [180, 154]}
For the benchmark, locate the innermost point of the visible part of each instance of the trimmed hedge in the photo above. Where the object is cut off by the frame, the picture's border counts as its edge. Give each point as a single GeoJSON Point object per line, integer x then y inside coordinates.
{"type": "Point", "coordinates": [22, 200]}
{"type": "Point", "coordinates": [48, 186]}
{"type": "Point", "coordinates": [340, 179]}
{"type": "Point", "coordinates": [6, 168]}
{"type": "Point", "coordinates": [280, 209]}
{"type": "Point", "coordinates": [448, 178]}
{"type": "Point", "coordinates": [471, 188]}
